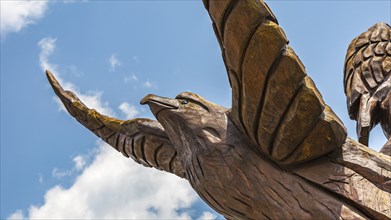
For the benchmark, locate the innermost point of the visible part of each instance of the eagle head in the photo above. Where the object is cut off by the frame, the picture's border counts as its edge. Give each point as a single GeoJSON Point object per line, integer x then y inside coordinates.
{"type": "Point", "coordinates": [191, 122]}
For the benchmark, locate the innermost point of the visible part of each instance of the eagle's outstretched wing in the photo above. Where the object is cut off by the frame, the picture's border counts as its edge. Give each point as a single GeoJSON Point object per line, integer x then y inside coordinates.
{"type": "Point", "coordinates": [274, 102]}
{"type": "Point", "coordinates": [144, 140]}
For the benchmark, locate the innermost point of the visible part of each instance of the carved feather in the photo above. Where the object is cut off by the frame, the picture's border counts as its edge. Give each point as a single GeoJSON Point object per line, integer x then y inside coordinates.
{"type": "Point", "coordinates": [274, 102]}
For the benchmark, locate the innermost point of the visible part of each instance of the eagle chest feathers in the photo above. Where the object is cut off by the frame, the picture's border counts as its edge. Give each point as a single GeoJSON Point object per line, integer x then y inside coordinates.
{"type": "Point", "coordinates": [233, 179]}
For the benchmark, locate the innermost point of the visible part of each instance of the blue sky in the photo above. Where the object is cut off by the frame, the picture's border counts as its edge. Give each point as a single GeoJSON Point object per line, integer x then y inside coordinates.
{"type": "Point", "coordinates": [112, 53]}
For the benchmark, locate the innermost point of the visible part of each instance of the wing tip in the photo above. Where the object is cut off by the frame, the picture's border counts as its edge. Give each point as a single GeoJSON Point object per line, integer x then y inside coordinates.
{"type": "Point", "coordinates": [53, 82]}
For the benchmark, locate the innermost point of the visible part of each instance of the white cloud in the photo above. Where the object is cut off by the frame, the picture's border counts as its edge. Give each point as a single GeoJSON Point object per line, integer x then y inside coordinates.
{"type": "Point", "coordinates": [91, 99]}
{"type": "Point", "coordinates": [113, 187]}
{"type": "Point", "coordinates": [61, 173]}
{"type": "Point", "coordinates": [132, 77]}
{"type": "Point", "coordinates": [80, 162]}
{"type": "Point", "coordinates": [207, 216]}
{"type": "Point", "coordinates": [15, 15]}
{"type": "Point", "coordinates": [47, 46]}
{"type": "Point", "coordinates": [148, 84]}
{"type": "Point", "coordinates": [114, 62]}
{"type": "Point", "coordinates": [17, 215]}
{"type": "Point", "coordinates": [130, 111]}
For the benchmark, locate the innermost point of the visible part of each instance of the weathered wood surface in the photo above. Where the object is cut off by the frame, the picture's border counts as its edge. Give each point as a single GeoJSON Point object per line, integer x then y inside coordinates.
{"type": "Point", "coordinates": [274, 102]}
{"type": "Point", "coordinates": [278, 153]}
{"type": "Point", "coordinates": [367, 80]}
{"type": "Point", "coordinates": [200, 143]}
{"type": "Point", "coordinates": [356, 173]}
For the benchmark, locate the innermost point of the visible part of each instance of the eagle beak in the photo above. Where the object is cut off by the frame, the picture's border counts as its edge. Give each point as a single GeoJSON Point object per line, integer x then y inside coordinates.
{"type": "Point", "coordinates": [157, 103]}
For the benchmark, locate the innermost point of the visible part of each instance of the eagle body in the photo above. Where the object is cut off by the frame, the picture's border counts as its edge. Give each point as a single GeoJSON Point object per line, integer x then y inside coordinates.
{"type": "Point", "coordinates": [239, 184]}
{"type": "Point", "coordinates": [229, 173]}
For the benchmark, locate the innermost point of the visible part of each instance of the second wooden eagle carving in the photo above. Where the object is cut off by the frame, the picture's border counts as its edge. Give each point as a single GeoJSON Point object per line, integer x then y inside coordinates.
{"type": "Point", "coordinates": [368, 82]}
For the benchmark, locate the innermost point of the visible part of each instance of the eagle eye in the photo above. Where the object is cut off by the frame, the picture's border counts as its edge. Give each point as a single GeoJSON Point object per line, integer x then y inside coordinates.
{"type": "Point", "coordinates": [183, 101]}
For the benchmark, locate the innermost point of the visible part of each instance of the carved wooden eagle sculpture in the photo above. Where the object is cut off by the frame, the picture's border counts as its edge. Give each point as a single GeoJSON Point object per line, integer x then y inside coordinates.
{"type": "Point", "coordinates": [279, 153]}
{"type": "Point", "coordinates": [368, 82]}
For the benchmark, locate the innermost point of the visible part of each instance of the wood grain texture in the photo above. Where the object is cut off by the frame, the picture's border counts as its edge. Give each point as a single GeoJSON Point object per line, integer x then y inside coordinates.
{"type": "Point", "coordinates": [274, 102]}
{"type": "Point", "coordinates": [355, 173]}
